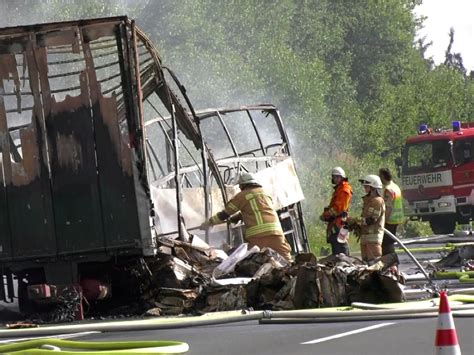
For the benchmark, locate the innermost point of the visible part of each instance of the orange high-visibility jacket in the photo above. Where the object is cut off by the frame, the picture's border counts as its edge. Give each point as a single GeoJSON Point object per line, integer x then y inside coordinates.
{"type": "Point", "coordinates": [340, 202]}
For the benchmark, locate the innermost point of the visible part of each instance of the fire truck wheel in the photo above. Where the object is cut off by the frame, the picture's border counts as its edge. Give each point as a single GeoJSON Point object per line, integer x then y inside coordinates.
{"type": "Point", "coordinates": [443, 225]}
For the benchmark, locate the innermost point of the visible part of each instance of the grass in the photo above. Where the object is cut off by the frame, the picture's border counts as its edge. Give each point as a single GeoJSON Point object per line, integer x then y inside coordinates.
{"type": "Point", "coordinates": [317, 236]}
{"type": "Point", "coordinates": [317, 240]}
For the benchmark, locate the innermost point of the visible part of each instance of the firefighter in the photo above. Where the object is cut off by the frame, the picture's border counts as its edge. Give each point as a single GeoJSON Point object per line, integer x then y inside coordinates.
{"type": "Point", "coordinates": [370, 225]}
{"type": "Point", "coordinates": [255, 208]}
{"type": "Point", "coordinates": [336, 213]}
{"type": "Point", "coordinates": [392, 196]}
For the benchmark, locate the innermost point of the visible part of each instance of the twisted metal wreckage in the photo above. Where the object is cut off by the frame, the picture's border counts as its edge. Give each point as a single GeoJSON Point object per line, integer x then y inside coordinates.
{"type": "Point", "coordinates": [107, 171]}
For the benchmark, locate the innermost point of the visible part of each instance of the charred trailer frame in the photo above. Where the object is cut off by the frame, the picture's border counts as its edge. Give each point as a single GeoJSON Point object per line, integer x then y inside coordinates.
{"type": "Point", "coordinates": [74, 192]}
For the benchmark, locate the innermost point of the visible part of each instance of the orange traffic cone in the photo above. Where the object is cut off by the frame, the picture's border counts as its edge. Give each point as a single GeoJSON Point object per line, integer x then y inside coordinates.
{"type": "Point", "coordinates": [446, 338]}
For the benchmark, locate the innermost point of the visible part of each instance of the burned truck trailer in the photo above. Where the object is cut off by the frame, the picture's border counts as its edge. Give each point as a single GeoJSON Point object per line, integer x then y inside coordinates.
{"type": "Point", "coordinates": [93, 171]}
{"type": "Point", "coordinates": [74, 190]}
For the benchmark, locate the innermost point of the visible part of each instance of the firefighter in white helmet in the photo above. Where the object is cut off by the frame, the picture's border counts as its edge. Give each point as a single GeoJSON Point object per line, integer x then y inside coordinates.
{"type": "Point", "coordinates": [370, 225]}
{"type": "Point", "coordinates": [255, 208]}
{"type": "Point", "coordinates": [336, 213]}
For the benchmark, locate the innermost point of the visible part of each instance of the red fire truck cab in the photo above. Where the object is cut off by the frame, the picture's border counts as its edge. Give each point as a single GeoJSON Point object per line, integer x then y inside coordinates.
{"type": "Point", "coordinates": [438, 176]}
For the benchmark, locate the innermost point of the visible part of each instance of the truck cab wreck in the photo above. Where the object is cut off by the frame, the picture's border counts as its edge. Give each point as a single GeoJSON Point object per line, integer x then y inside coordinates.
{"type": "Point", "coordinates": [103, 158]}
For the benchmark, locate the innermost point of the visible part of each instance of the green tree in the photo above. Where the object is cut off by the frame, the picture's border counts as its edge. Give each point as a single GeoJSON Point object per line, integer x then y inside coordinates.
{"type": "Point", "coordinates": [349, 76]}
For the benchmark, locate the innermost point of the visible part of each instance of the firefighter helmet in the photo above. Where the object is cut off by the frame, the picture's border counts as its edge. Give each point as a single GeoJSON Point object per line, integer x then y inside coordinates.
{"type": "Point", "coordinates": [338, 171]}
{"type": "Point", "coordinates": [248, 179]}
{"type": "Point", "coordinates": [372, 180]}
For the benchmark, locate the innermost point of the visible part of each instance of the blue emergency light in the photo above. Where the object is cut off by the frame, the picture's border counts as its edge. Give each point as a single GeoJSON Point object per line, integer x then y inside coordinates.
{"type": "Point", "coordinates": [423, 128]}
{"type": "Point", "coordinates": [456, 126]}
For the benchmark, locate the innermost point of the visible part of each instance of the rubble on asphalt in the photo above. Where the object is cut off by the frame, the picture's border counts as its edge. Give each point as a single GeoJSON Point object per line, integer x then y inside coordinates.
{"type": "Point", "coordinates": [457, 257]}
{"type": "Point", "coordinates": [187, 278]}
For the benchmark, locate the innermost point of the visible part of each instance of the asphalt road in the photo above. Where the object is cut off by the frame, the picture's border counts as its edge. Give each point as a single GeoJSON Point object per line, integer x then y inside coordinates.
{"type": "Point", "coordinates": [405, 337]}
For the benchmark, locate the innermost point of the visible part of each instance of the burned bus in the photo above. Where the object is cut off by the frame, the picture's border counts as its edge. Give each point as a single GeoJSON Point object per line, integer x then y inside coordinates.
{"type": "Point", "coordinates": [103, 155]}
{"type": "Point", "coordinates": [247, 138]}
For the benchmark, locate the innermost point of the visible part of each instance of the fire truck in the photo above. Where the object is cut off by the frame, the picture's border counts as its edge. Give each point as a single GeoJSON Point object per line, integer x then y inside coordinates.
{"type": "Point", "coordinates": [437, 173]}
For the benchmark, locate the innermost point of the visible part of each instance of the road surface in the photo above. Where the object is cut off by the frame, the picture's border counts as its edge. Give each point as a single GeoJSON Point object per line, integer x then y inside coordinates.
{"type": "Point", "coordinates": [351, 338]}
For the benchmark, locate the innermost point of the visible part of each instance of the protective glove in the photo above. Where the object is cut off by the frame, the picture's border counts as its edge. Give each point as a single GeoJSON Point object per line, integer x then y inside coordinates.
{"type": "Point", "coordinates": [370, 221]}
{"type": "Point", "coordinates": [327, 216]}
{"type": "Point", "coordinates": [235, 218]}
{"type": "Point", "coordinates": [205, 225]}
{"type": "Point", "coordinates": [352, 222]}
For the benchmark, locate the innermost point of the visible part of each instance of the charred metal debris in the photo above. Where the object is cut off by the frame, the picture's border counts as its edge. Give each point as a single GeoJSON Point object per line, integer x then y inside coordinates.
{"type": "Point", "coordinates": [263, 280]}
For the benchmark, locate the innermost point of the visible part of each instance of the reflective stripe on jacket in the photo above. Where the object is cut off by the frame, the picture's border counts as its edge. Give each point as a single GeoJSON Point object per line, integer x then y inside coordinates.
{"type": "Point", "coordinates": [374, 207]}
{"type": "Point", "coordinates": [256, 209]}
{"type": "Point", "coordinates": [393, 198]}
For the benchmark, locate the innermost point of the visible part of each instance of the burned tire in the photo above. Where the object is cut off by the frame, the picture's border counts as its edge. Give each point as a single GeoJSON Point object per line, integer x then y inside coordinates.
{"type": "Point", "coordinates": [443, 225]}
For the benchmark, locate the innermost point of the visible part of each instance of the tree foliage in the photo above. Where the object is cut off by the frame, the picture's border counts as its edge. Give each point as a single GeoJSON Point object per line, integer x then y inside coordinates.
{"type": "Point", "coordinates": [350, 76]}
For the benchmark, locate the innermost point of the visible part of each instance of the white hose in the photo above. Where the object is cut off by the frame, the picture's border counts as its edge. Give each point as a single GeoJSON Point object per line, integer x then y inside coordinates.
{"type": "Point", "coordinates": [427, 276]}
{"type": "Point", "coordinates": [265, 317]}
{"type": "Point", "coordinates": [348, 318]}
{"type": "Point", "coordinates": [317, 313]}
{"type": "Point", "coordinates": [153, 324]}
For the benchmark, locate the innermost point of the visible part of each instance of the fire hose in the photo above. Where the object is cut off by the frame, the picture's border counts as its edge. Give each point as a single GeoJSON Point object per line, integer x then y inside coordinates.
{"type": "Point", "coordinates": [264, 317]}
{"type": "Point", "coordinates": [46, 346]}
{"type": "Point", "coordinates": [462, 276]}
{"type": "Point", "coordinates": [433, 287]}
{"type": "Point", "coordinates": [359, 312]}
{"type": "Point", "coordinates": [137, 325]}
{"type": "Point", "coordinates": [369, 312]}
{"type": "Point", "coordinates": [432, 249]}
{"type": "Point", "coordinates": [408, 310]}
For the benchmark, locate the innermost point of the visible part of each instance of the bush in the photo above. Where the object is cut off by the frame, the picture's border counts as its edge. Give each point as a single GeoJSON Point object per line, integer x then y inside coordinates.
{"type": "Point", "coordinates": [317, 240]}
{"type": "Point", "coordinates": [412, 229]}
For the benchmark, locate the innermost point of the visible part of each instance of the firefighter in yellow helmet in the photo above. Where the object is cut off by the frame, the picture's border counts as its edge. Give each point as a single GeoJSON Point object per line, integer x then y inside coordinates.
{"type": "Point", "coordinates": [255, 208]}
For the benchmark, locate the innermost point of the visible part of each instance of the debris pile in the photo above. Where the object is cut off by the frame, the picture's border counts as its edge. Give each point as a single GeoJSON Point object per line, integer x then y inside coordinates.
{"type": "Point", "coordinates": [185, 279]}
{"type": "Point", "coordinates": [458, 257]}
{"type": "Point", "coordinates": [193, 278]}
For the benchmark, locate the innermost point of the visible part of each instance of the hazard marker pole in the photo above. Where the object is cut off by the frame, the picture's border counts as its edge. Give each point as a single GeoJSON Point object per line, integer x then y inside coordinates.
{"type": "Point", "coordinates": [446, 342]}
